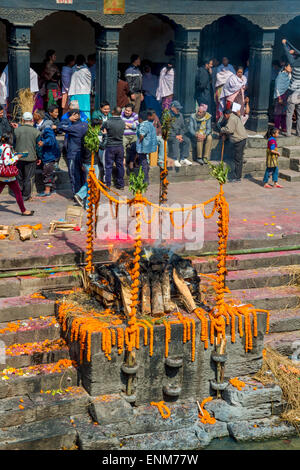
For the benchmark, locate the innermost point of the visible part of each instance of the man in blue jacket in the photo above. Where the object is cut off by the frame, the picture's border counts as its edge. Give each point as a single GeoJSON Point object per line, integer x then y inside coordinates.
{"type": "Point", "coordinates": [75, 131]}
{"type": "Point", "coordinates": [50, 154]}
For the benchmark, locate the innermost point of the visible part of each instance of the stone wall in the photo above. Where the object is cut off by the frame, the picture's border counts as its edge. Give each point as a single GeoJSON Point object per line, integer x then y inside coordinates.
{"type": "Point", "coordinates": [155, 378]}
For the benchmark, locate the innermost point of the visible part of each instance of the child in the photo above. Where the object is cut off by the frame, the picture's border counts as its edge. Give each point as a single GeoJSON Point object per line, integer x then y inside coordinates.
{"type": "Point", "coordinates": [8, 159]}
{"type": "Point", "coordinates": [146, 141]}
{"type": "Point", "coordinates": [272, 158]}
{"type": "Point", "coordinates": [50, 154]}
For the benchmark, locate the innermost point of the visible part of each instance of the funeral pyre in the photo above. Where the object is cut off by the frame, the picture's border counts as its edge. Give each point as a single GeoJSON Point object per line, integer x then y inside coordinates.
{"type": "Point", "coordinates": [168, 282]}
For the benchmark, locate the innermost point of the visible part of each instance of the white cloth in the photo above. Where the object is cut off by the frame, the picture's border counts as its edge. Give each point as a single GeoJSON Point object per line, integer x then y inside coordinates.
{"type": "Point", "coordinates": [81, 81]}
{"type": "Point", "coordinates": [222, 77]}
{"type": "Point", "coordinates": [4, 84]}
{"type": "Point", "coordinates": [228, 67]}
{"type": "Point", "coordinates": [165, 84]}
{"type": "Point", "coordinates": [233, 85]}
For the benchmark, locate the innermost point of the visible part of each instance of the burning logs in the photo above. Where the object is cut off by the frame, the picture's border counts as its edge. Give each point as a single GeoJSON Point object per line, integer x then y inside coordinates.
{"type": "Point", "coordinates": [168, 281]}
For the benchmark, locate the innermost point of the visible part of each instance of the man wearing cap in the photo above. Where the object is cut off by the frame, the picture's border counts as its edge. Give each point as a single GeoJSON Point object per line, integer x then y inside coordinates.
{"type": "Point", "coordinates": [178, 142]}
{"type": "Point", "coordinates": [235, 130]}
{"type": "Point", "coordinates": [26, 138]}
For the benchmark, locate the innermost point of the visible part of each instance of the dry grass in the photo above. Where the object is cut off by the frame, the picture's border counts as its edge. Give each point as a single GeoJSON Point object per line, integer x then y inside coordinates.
{"type": "Point", "coordinates": [23, 103]}
{"type": "Point", "coordinates": [287, 375]}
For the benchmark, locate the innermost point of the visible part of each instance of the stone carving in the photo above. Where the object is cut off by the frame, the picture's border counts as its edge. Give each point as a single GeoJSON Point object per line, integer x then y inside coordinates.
{"type": "Point", "coordinates": [190, 21]}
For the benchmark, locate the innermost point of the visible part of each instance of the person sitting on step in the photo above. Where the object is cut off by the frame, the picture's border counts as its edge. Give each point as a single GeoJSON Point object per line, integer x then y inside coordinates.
{"type": "Point", "coordinates": [200, 129]}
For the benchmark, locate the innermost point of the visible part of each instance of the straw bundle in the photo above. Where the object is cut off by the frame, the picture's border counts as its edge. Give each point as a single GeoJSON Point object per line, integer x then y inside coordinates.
{"type": "Point", "coordinates": [23, 103]}
{"type": "Point", "coordinates": [287, 374]}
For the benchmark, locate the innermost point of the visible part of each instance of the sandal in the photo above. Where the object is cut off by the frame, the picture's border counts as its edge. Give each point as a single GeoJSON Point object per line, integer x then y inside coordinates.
{"type": "Point", "coordinates": [276, 185]}
{"type": "Point", "coordinates": [28, 215]}
{"type": "Point", "coordinates": [268, 186]}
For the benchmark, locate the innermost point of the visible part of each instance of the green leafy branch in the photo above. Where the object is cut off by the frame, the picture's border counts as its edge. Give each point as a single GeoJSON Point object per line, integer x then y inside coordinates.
{"type": "Point", "coordinates": [220, 172]}
{"type": "Point", "coordinates": [137, 184]}
{"type": "Point", "coordinates": [91, 140]}
{"type": "Point", "coordinates": [166, 123]}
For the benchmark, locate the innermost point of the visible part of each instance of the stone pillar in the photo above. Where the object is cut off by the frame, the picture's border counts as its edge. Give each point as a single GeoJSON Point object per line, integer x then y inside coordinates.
{"type": "Point", "coordinates": [260, 67]}
{"type": "Point", "coordinates": [107, 43]}
{"type": "Point", "coordinates": [187, 52]}
{"type": "Point", "coordinates": [18, 59]}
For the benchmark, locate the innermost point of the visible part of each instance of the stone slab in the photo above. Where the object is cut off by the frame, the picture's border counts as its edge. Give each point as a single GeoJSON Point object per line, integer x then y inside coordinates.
{"type": "Point", "coordinates": [222, 411]}
{"type": "Point", "coordinates": [259, 430]}
{"type": "Point", "coordinates": [51, 434]}
{"type": "Point", "coordinates": [252, 395]}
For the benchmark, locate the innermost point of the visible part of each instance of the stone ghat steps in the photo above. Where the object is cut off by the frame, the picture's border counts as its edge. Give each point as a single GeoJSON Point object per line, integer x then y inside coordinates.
{"type": "Point", "coordinates": [26, 285]}
{"type": "Point", "coordinates": [283, 321]}
{"type": "Point", "coordinates": [286, 343]}
{"type": "Point", "coordinates": [24, 307]}
{"type": "Point", "coordinates": [28, 354]}
{"type": "Point", "coordinates": [33, 379]}
{"type": "Point", "coordinates": [262, 277]}
{"type": "Point", "coordinates": [47, 404]}
{"type": "Point", "coordinates": [252, 261]}
{"type": "Point", "coordinates": [29, 331]}
{"type": "Point", "coordinates": [51, 434]}
{"type": "Point", "coordinates": [268, 298]}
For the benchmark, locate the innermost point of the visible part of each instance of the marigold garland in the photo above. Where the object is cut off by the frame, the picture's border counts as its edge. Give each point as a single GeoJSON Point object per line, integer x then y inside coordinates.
{"type": "Point", "coordinates": [237, 383]}
{"type": "Point", "coordinates": [162, 408]}
{"type": "Point", "coordinates": [204, 415]}
{"type": "Point", "coordinates": [224, 314]}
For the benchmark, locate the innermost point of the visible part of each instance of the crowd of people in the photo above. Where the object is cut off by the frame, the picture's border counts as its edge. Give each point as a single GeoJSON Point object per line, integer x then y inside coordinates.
{"type": "Point", "coordinates": [131, 127]}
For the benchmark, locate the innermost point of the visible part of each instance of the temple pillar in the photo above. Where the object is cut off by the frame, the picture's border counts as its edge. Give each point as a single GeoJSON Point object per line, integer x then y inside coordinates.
{"type": "Point", "coordinates": [18, 59]}
{"type": "Point", "coordinates": [107, 43]}
{"type": "Point", "coordinates": [260, 67]}
{"type": "Point", "coordinates": [187, 53]}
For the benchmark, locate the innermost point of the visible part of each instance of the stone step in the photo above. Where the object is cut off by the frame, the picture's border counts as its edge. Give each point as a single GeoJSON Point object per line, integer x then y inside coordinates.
{"type": "Point", "coordinates": [282, 141]}
{"type": "Point", "coordinates": [33, 379]}
{"type": "Point", "coordinates": [268, 298]}
{"type": "Point", "coordinates": [291, 151]}
{"type": "Point", "coordinates": [46, 404]}
{"type": "Point", "coordinates": [29, 331]}
{"type": "Point", "coordinates": [286, 343]}
{"type": "Point", "coordinates": [262, 277]}
{"type": "Point", "coordinates": [285, 320]}
{"type": "Point", "coordinates": [51, 434]}
{"type": "Point", "coordinates": [24, 307]}
{"type": "Point", "coordinates": [249, 261]}
{"type": "Point", "coordinates": [295, 164]}
{"type": "Point", "coordinates": [258, 164]}
{"type": "Point", "coordinates": [29, 354]}
{"type": "Point", "coordinates": [289, 175]}
{"type": "Point", "coordinates": [24, 285]}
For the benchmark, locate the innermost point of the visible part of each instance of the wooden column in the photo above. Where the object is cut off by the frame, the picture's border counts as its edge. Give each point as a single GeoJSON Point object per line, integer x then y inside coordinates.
{"type": "Point", "coordinates": [187, 52]}
{"type": "Point", "coordinates": [107, 43]}
{"type": "Point", "coordinates": [18, 58]}
{"type": "Point", "coordinates": [260, 66]}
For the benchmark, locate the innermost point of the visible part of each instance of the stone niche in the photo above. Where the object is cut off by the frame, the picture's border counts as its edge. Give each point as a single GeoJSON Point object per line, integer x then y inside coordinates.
{"type": "Point", "coordinates": [171, 378]}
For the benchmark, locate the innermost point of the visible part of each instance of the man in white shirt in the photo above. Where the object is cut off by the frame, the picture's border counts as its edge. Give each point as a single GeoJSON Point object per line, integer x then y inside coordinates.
{"type": "Point", "coordinates": [4, 85]}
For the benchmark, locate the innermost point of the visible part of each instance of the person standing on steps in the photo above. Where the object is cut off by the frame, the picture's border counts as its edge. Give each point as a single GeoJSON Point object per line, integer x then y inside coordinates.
{"type": "Point", "coordinates": [75, 131]}
{"type": "Point", "coordinates": [134, 78]}
{"type": "Point", "coordinates": [293, 92]}
{"type": "Point", "coordinates": [272, 159]}
{"type": "Point", "coordinates": [114, 152]}
{"type": "Point", "coordinates": [236, 132]}
{"type": "Point", "coordinates": [26, 138]}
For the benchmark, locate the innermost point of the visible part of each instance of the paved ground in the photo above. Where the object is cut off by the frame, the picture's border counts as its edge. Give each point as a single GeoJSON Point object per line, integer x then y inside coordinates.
{"type": "Point", "coordinates": [255, 212]}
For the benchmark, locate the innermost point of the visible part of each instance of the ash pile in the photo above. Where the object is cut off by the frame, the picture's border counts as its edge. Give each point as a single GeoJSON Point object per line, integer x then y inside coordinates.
{"type": "Point", "coordinates": [168, 282]}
